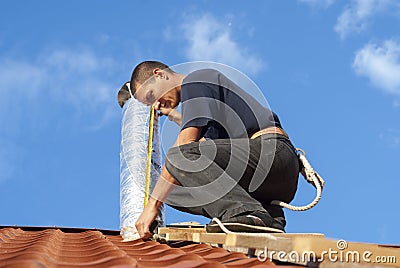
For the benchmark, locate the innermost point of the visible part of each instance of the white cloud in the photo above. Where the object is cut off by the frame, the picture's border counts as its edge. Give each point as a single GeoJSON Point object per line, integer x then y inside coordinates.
{"type": "Point", "coordinates": [211, 40]}
{"type": "Point", "coordinates": [318, 3]}
{"type": "Point", "coordinates": [75, 77]}
{"type": "Point", "coordinates": [355, 16]}
{"type": "Point", "coordinates": [56, 81]}
{"type": "Point", "coordinates": [79, 75]}
{"type": "Point", "coordinates": [19, 76]}
{"type": "Point", "coordinates": [380, 64]}
{"type": "Point", "coordinates": [69, 61]}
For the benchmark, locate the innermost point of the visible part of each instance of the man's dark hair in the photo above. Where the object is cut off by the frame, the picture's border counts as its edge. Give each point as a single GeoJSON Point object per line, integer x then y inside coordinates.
{"type": "Point", "coordinates": [124, 94]}
{"type": "Point", "coordinates": [144, 70]}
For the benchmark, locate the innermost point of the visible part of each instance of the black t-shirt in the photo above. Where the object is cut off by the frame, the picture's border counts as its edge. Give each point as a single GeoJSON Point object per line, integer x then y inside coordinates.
{"type": "Point", "coordinates": [212, 101]}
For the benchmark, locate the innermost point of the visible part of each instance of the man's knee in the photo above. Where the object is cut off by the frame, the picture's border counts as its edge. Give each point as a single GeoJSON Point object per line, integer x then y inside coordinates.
{"type": "Point", "coordinates": [185, 152]}
{"type": "Point", "coordinates": [170, 160]}
{"type": "Point", "coordinates": [176, 158]}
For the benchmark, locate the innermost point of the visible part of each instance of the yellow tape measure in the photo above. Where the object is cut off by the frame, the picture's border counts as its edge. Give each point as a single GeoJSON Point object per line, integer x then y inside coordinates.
{"type": "Point", "coordinates": [149, 153]}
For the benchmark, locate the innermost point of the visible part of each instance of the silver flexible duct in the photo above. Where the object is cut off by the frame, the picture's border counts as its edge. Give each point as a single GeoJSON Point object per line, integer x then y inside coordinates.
{"type": "Point", "coordinates": [133, 160]}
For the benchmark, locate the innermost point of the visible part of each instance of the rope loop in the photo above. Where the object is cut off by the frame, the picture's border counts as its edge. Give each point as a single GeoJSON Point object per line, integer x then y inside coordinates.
{"type": "Point", "coordinates": [312, 177]}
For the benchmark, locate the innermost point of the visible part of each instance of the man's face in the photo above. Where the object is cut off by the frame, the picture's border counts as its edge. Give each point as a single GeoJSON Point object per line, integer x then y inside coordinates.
{"type": "Point", "coordinates": [147, 93]}
{"type": "Point", "coordinates": [158, 92]}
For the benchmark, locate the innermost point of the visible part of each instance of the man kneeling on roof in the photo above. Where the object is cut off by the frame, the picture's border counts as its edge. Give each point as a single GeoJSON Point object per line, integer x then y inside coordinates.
{"type": "Point", "coordinates": [231, 157]}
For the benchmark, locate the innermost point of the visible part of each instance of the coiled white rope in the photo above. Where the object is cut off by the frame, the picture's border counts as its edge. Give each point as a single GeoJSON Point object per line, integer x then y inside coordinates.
{"type": "Point", "coordinates": [221, 225]}
{"type": "Point", "coordinates": [312, 177]}
{"type": "Point", "coordinates": [225, 230]}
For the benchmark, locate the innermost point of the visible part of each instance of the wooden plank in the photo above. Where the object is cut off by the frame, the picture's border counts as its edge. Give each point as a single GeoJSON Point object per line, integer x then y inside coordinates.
{"type": "Point", "coordinates": [292, 235]}
{"type": "Point", "coordinates": [314, 247]}
{"type": "Point", "coordinates": [303, 248]}
{"type": "Point", "coordinates": [258, 240]}
{"type": "Point", "coordinates": [177, 237]}
{"type": "Point", "coordinates": [212, 238]}
{"type": "Point", "coordinates": [177, 234]}
{"type": "Point", "coordinates": [249, 240]}
{"type": "Point", "coordinates": [166, 230]}
{"type": "Point", "coordinates": [264, 243]}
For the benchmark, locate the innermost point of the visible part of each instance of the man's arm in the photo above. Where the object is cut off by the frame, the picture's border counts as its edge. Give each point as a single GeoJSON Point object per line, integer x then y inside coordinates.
{"type": "Point", "coordinates": [175, 116]}
{"type": "Point", "coordinates": [164, 186]}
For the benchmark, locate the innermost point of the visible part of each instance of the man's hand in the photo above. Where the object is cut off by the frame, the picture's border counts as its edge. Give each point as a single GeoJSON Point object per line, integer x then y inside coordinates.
{"type": "Point", "coordinates": [161, 108]}
{"type": "Point", "coordinates": [145, 219]}
{"type": "Point", "coordinates": [172, 113]}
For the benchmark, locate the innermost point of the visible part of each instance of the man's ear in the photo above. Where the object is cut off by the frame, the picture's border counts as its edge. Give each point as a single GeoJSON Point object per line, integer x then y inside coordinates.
{"type": "Point", "coordinates": [159, 73]}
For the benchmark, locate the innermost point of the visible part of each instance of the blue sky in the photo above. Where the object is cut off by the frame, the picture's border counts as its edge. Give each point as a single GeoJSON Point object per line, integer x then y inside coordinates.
{"type": "Point", "coordinates": [330, 69]}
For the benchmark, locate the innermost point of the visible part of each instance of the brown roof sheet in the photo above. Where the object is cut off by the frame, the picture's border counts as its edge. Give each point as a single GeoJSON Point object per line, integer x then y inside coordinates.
{"type": "Point", "coordinates": [69, 247]}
